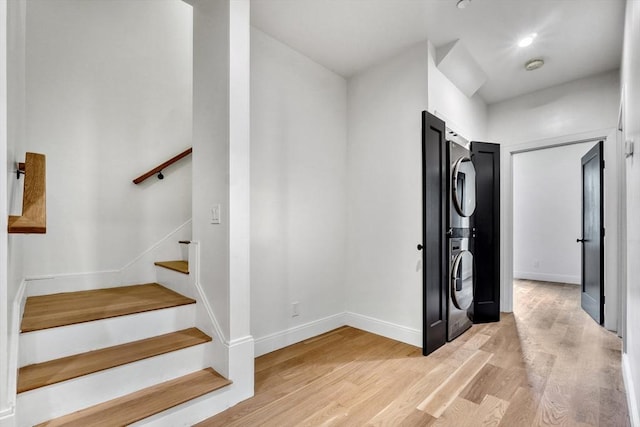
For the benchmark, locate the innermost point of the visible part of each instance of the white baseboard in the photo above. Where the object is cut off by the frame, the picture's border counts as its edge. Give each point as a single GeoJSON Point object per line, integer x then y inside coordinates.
{"type": "Point", "coordinates": [73, 282]}
{"type": "Point", "coordinates": [7, 418]}
{"type": "Point", "coordinates": [545, 277]}
{"type": "Point", "coordinates": [632, 401]}
{"type": "Point", "coordinates": [386, 329]}
{"type": "Point", "coordinates": [14, 342]}
{"type": "Point", "coordinates": [278, 340]}
{"type": "Point", "coordinates": [241, 369]}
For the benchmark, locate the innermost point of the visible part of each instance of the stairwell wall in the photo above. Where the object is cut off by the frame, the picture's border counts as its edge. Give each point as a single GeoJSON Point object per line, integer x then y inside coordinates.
{"type": "Point", "coordinates": [4, 305]}
{"type": "Point", "coordinates": [12, 140]}
{"type": "Point", "coordinates": [108, 97]}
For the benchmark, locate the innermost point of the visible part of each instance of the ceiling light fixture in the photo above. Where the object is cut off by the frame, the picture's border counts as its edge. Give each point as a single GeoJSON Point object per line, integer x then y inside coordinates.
{"type": "Point", "coordinates": [463, 3]}
{"type": "Point", "coordinates": [533, 64]}
{"type": "Point", "coordinates": [526, 41]}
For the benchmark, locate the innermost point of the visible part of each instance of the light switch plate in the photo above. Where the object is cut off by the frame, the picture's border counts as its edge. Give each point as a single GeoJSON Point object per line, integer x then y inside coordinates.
{"type": "Point", "coordinates": [215, 214]}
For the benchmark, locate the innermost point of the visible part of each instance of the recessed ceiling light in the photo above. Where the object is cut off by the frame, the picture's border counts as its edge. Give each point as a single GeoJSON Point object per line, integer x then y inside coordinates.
{"type": "Point", "coordinates": [533, 64]}
{"type": "Point", "coordinates": [526, 41]}
{"type": "Point", "coordinates": [463, 3]}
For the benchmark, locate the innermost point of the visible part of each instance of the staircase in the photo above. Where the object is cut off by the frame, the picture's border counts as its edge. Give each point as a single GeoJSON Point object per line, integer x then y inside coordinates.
{"type": "Point", "coordinates": [112, 357]}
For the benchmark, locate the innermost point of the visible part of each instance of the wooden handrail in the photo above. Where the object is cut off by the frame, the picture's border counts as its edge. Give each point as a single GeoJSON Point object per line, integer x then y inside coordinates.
{"type": "Point", "coordinates": [158, 169]}
{"type": "Point", "coordinates": [34, 198]}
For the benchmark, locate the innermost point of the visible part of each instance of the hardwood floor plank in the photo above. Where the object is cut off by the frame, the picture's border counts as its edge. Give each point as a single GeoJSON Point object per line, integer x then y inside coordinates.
{"type": "Point", "coordinates": [448, 391]}
{"type": "Point", "coordinates": [415, 418]}
{"type": "Point", "coordinates": [364, 410]}
{"type": "Point", "coordinates": [555, 406]}
{"type": "Point", "coordinates": [406, 402]}
{"type": "Point", "coordinates": [458, 414]}
{"type": "Point", "coordinates": [480, 386]}
{"type": "Point", "coordinates": [490, 412]}
{"type": "Point", "coordinates": [42, 374]}
{"type": "Point", "coordinates": [477, 341]}
{"type": "Point", "coordinates": [612, 410]}
{"type": "Point", "coordinates": [50, 311]}
{"type": "Point", "coordinates": [561, 370]}
{"type": "Point", "coordinates": [522, 409]}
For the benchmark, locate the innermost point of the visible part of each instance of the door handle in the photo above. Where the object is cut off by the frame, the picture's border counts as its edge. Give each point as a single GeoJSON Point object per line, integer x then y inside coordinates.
{"type": "Point", "coordinates": [419, 247]}
{"type": "Point", "coordinates": [582, 240]}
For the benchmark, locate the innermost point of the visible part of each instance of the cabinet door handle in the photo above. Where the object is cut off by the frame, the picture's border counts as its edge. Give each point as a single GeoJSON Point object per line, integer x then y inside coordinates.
{"type": "Point", "coordinates": [419, 247]}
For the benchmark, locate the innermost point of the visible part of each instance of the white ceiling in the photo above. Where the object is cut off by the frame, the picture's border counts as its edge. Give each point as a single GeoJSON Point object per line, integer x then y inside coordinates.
{"type": "Point", "coordinates": [576, 38]}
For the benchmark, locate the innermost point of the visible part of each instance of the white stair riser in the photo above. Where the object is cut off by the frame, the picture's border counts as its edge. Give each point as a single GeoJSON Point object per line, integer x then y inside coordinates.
{"type": "Point", "coordinates": [36, 406]}
{"type": "Point", "coordinates": [177, 282]}
{"type": "Point", "coordinates": [193, 411]}
{"type": "Point", "coordinates": [54, 343]}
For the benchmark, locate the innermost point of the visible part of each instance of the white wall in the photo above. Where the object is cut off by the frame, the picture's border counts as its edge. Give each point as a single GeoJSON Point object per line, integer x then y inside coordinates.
{"type": "Point", "coordinates": [298, 192]}
{"type": "Point", "coordinates": [384, 276]}
{"type": "Point", "coordinates": [570, 108]}
{"type": "Point", "coordinates": [467, 116]}
{"type": "Point", "coordinates": [108, 97]}
{"type": "Point", "coordinates": [547, 189]}
{"type": "Point", "coordinates": [12, 116]}
{"type": "Point", "coordinates": [16, 128]}
{"type": "Point", "coordinates": [631, 130]}
{"type": "Point", "coordinates": [4, 305]}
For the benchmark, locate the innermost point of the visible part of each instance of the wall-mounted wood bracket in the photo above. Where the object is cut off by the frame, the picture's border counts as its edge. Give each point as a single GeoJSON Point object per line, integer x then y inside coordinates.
{"type": "Point", "coordinates": [20, 170]}
{"type": "Point", "coordinates": [34, 199]}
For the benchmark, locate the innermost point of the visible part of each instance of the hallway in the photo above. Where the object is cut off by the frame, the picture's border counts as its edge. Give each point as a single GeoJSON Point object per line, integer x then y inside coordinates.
{"type": "Point", "coordinates": [546, 364]}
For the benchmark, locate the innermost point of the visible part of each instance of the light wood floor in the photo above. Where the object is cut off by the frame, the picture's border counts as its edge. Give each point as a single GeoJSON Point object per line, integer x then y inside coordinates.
{"type": "Point", "coordinates": [547, 364]}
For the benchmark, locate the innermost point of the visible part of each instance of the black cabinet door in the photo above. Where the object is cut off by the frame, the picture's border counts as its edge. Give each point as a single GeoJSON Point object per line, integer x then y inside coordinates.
{"type": "Point", "coordinates": [486, 220]}
{"type": "Point", "coordinates": [434, 258]}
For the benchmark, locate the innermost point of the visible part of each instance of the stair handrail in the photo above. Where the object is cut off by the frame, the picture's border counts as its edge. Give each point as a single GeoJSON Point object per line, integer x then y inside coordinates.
{"type": "Point", "coordinates": [34, 198]}
{"type": "Point", "coordinates": [158, 169]}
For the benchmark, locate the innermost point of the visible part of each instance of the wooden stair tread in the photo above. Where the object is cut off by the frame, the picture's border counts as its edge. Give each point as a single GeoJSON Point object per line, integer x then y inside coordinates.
{"type": "Point", "coordinates": [144, 403]}
{"type": "Point", "coordinates": [55, 371]}
{"type": "Point", "coordinates": [180, 266]}
{"type": "Point", "coordinates": [50, 311]}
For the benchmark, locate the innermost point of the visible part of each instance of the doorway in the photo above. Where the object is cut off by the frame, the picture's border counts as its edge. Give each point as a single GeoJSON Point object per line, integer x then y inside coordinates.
{"type": "Point", "coordinates": [547, 209]}
{"type": "Point", "coordinates": [612, 155]}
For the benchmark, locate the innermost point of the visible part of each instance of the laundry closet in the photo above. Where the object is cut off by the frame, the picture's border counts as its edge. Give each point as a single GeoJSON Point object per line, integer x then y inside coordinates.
{"type": "Point", "coordinates": [461, 233]}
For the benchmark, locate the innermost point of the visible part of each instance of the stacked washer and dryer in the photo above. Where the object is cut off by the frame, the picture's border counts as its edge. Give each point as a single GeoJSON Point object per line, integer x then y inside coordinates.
{"type": "Point", "coordinates": [460, 235]}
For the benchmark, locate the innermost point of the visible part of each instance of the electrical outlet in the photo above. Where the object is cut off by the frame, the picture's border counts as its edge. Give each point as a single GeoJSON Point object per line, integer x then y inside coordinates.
{"type": "Point", "coordinates": [295, 309]}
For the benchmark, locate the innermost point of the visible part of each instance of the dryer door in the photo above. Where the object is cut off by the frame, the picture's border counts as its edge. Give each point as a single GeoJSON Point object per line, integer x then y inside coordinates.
{"type": "Point", "coordinates": [462, 280]}
{"type": "Point", "coordinates": [464, 186]}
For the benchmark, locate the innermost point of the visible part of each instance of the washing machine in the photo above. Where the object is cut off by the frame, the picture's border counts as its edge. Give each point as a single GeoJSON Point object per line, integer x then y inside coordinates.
{"type": "Point", "coordinates": [460, 293]}
{"type": "Point", "coordinates": [462, 192]}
